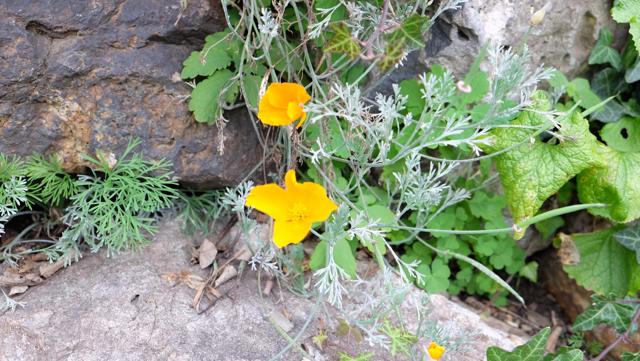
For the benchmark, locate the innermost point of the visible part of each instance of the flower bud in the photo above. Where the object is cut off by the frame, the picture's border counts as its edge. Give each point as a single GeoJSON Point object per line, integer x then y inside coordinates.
{"type": "Point", "coordinates": [538, 16]}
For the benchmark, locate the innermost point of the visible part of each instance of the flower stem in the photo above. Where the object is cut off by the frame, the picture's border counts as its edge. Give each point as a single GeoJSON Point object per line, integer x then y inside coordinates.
{"type": "Point", "coordinates": [535, 219]}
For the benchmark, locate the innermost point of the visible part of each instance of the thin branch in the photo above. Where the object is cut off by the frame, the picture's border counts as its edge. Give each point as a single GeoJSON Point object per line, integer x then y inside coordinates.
{"type": "Point", "coordinates": [624, 337]}
{"type": "Point", "coordinates": [378, 30]}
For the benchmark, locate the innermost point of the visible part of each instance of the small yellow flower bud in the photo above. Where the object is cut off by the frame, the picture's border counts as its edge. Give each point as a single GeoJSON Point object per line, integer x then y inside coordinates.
{"type": "Point", "coordinates": [538, 16]}
{"type": "Point", "coordinates": [435, 351]}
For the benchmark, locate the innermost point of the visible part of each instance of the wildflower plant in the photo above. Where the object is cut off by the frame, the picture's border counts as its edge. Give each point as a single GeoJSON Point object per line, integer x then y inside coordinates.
{"type": "Point", "coordinates": [115, 206]}
{"type": "Point", "coordinates": [394, 163]}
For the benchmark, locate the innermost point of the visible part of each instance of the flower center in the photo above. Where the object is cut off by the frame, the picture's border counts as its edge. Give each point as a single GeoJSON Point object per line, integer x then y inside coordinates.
{"type": "Point", "coordinates": [298, 212]}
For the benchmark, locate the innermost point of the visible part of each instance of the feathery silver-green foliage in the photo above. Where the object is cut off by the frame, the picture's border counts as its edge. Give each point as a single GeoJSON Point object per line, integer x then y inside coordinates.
{"type": "Point", "coordinates": [115, 206]}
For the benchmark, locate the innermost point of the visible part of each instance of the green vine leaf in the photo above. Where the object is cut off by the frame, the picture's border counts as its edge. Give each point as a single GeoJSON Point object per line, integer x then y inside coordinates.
{"type": "Point", "coordinates": [394, 52]}
{"type": "Point", "coordinates": [628, 11]}
{"type": "Point", "coordinates": [206, 95]}
{"type": "Point", "coordinates": [633, 73]}
{"type": "Point", "coordinates": [533, 350]}
{"type": "Point", "coordinates": [604, 310]}
{"type": "Point", "coordinates": [531, 171]}
{"type": "Point", "coordinates": [614, 182]}
{"type": "Point", "coordinates": [410, 32]}
{"type": "Point", "coordinates": [603, 53]}
{"type": "Point", "coordinates": [603, 265]}
{"type": "Point", "coordinates": [608, 82]}
{"type": "Point", "coordinates": [630, 238]}
{"type": "Point", "coordinates": [571, 355]}
{"type": "Point", "coordinates": [342, 42]}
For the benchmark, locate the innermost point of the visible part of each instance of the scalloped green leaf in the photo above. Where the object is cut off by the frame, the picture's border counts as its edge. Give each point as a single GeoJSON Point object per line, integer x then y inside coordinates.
{"type": "Point", "coordinates": [206, 96]}
{"type": "Point", "coordinates": [215, 55]}
{"type": "Point", "coordinates": [614, 182]}
{"type": "Point", "coordinates": [533, 350]}
{"type": "Point", "coordinates": [603, 266]}
{"type": "Point", "coordinates": [532, 170]}
{"type": "Point", "coordinates": [623, 135]}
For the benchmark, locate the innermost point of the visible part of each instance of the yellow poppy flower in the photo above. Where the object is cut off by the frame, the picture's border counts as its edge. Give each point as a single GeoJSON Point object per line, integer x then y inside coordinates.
{"type": "Point", "coordinates": [294, 208]}
{"type": "Point", "coordinates": [435, 351]}
{"type": "Point", "coordinates": [282, 104]}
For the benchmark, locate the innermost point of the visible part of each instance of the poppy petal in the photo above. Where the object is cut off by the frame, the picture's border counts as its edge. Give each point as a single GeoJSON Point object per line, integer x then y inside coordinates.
{"type": "Point", "coordinates": [315, 196]}
{"type": "Point", "coordinates": [286, 232]}
{"type": "Point", "coordinates": [290, 181]}
{"type": "Point", "coordinates": [302, 119]}
{"type": "Point", "coordinates": [311, 194]}
{"type": "Point", "coordinates": [281, 94]}
{"type": "Point", "coordinates": [270, 199]}
{"type": "Point", "coordinates": [270, 115]}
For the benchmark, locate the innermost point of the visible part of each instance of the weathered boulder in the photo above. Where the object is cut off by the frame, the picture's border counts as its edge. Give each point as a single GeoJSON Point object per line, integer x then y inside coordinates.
{"type": "Point", "coordinates": [127, 308]}
{"type": "Point", "coordinates": [563, 40]}
{"type": "Point", "coordinates": [80, 76]}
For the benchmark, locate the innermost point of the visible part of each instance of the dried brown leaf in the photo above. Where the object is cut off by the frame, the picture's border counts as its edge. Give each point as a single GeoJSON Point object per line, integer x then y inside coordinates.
{"type": "Point", "coordinates": [281, 321]}
{"type": "Point", "coordinates": [568, 251]}
{"type": "Point", "coordinates": [16, 290]}
{"type": "Point", "coordinates": [48, 269]}
{"type": "Point", "coordinates": [207, 253]}
{"type": "Point", "coordinates": [227, 273]}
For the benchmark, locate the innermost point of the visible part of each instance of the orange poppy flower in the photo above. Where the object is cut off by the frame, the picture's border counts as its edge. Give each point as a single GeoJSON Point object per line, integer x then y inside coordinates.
{"type": "Point", "coordinates": [282, 104]}
{"type": "Point", "coordinates": [435, 351]}
{"type": "Point", "coordinates": [294, 208]}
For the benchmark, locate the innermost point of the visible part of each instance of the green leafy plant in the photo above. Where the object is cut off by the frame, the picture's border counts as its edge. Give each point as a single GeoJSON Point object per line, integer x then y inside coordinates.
{"type": "Point", "coordinates": [49, 182]}
{"type": "Point", "coordinates": [599, 147]}
{"type": "Point", "coordinates": [115, 205]}
{"type": "Point", "coordinates": [496, 251]}
{"type": "Point", "coordinates": [532, 350]}
{"type": "Point", "coordinates": [198, 210]}
{"type": "Point", "coordinates": [212, 70]}
{"type": "Point", "coordinates": [13, 188]}
{"type": "Point", "coordinates": [401, 339]}
{"type": "Point", "coordinates": [360, 357]}
{"type": "Point", "coordinates": [393, 161]}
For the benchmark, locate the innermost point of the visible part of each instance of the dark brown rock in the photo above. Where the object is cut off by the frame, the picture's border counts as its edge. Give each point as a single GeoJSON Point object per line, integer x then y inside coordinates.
{"type": "Point", "coordinates": [79, 76]}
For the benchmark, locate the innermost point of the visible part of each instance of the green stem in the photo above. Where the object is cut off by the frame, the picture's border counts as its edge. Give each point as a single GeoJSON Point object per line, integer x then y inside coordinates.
{"type": "Point", "coordinates": [535, 219]}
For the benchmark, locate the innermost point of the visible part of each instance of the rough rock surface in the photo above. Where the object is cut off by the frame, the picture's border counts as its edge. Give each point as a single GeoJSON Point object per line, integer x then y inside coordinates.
{"type": "Point", "coordinates": [563, 40]}
{"type": "Point", "coordinates": [80, 76]}
{"type": "Point", "coordinates": [122, 309]}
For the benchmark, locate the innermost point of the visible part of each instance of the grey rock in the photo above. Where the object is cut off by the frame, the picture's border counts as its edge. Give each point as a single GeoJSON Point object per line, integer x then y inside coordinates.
{"type": "Point", "coordinates": [80, 76]}
{"type": "Point", "coordinates": [563, 40]}
{"type": "Point", "coordinates": [121, 308]}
